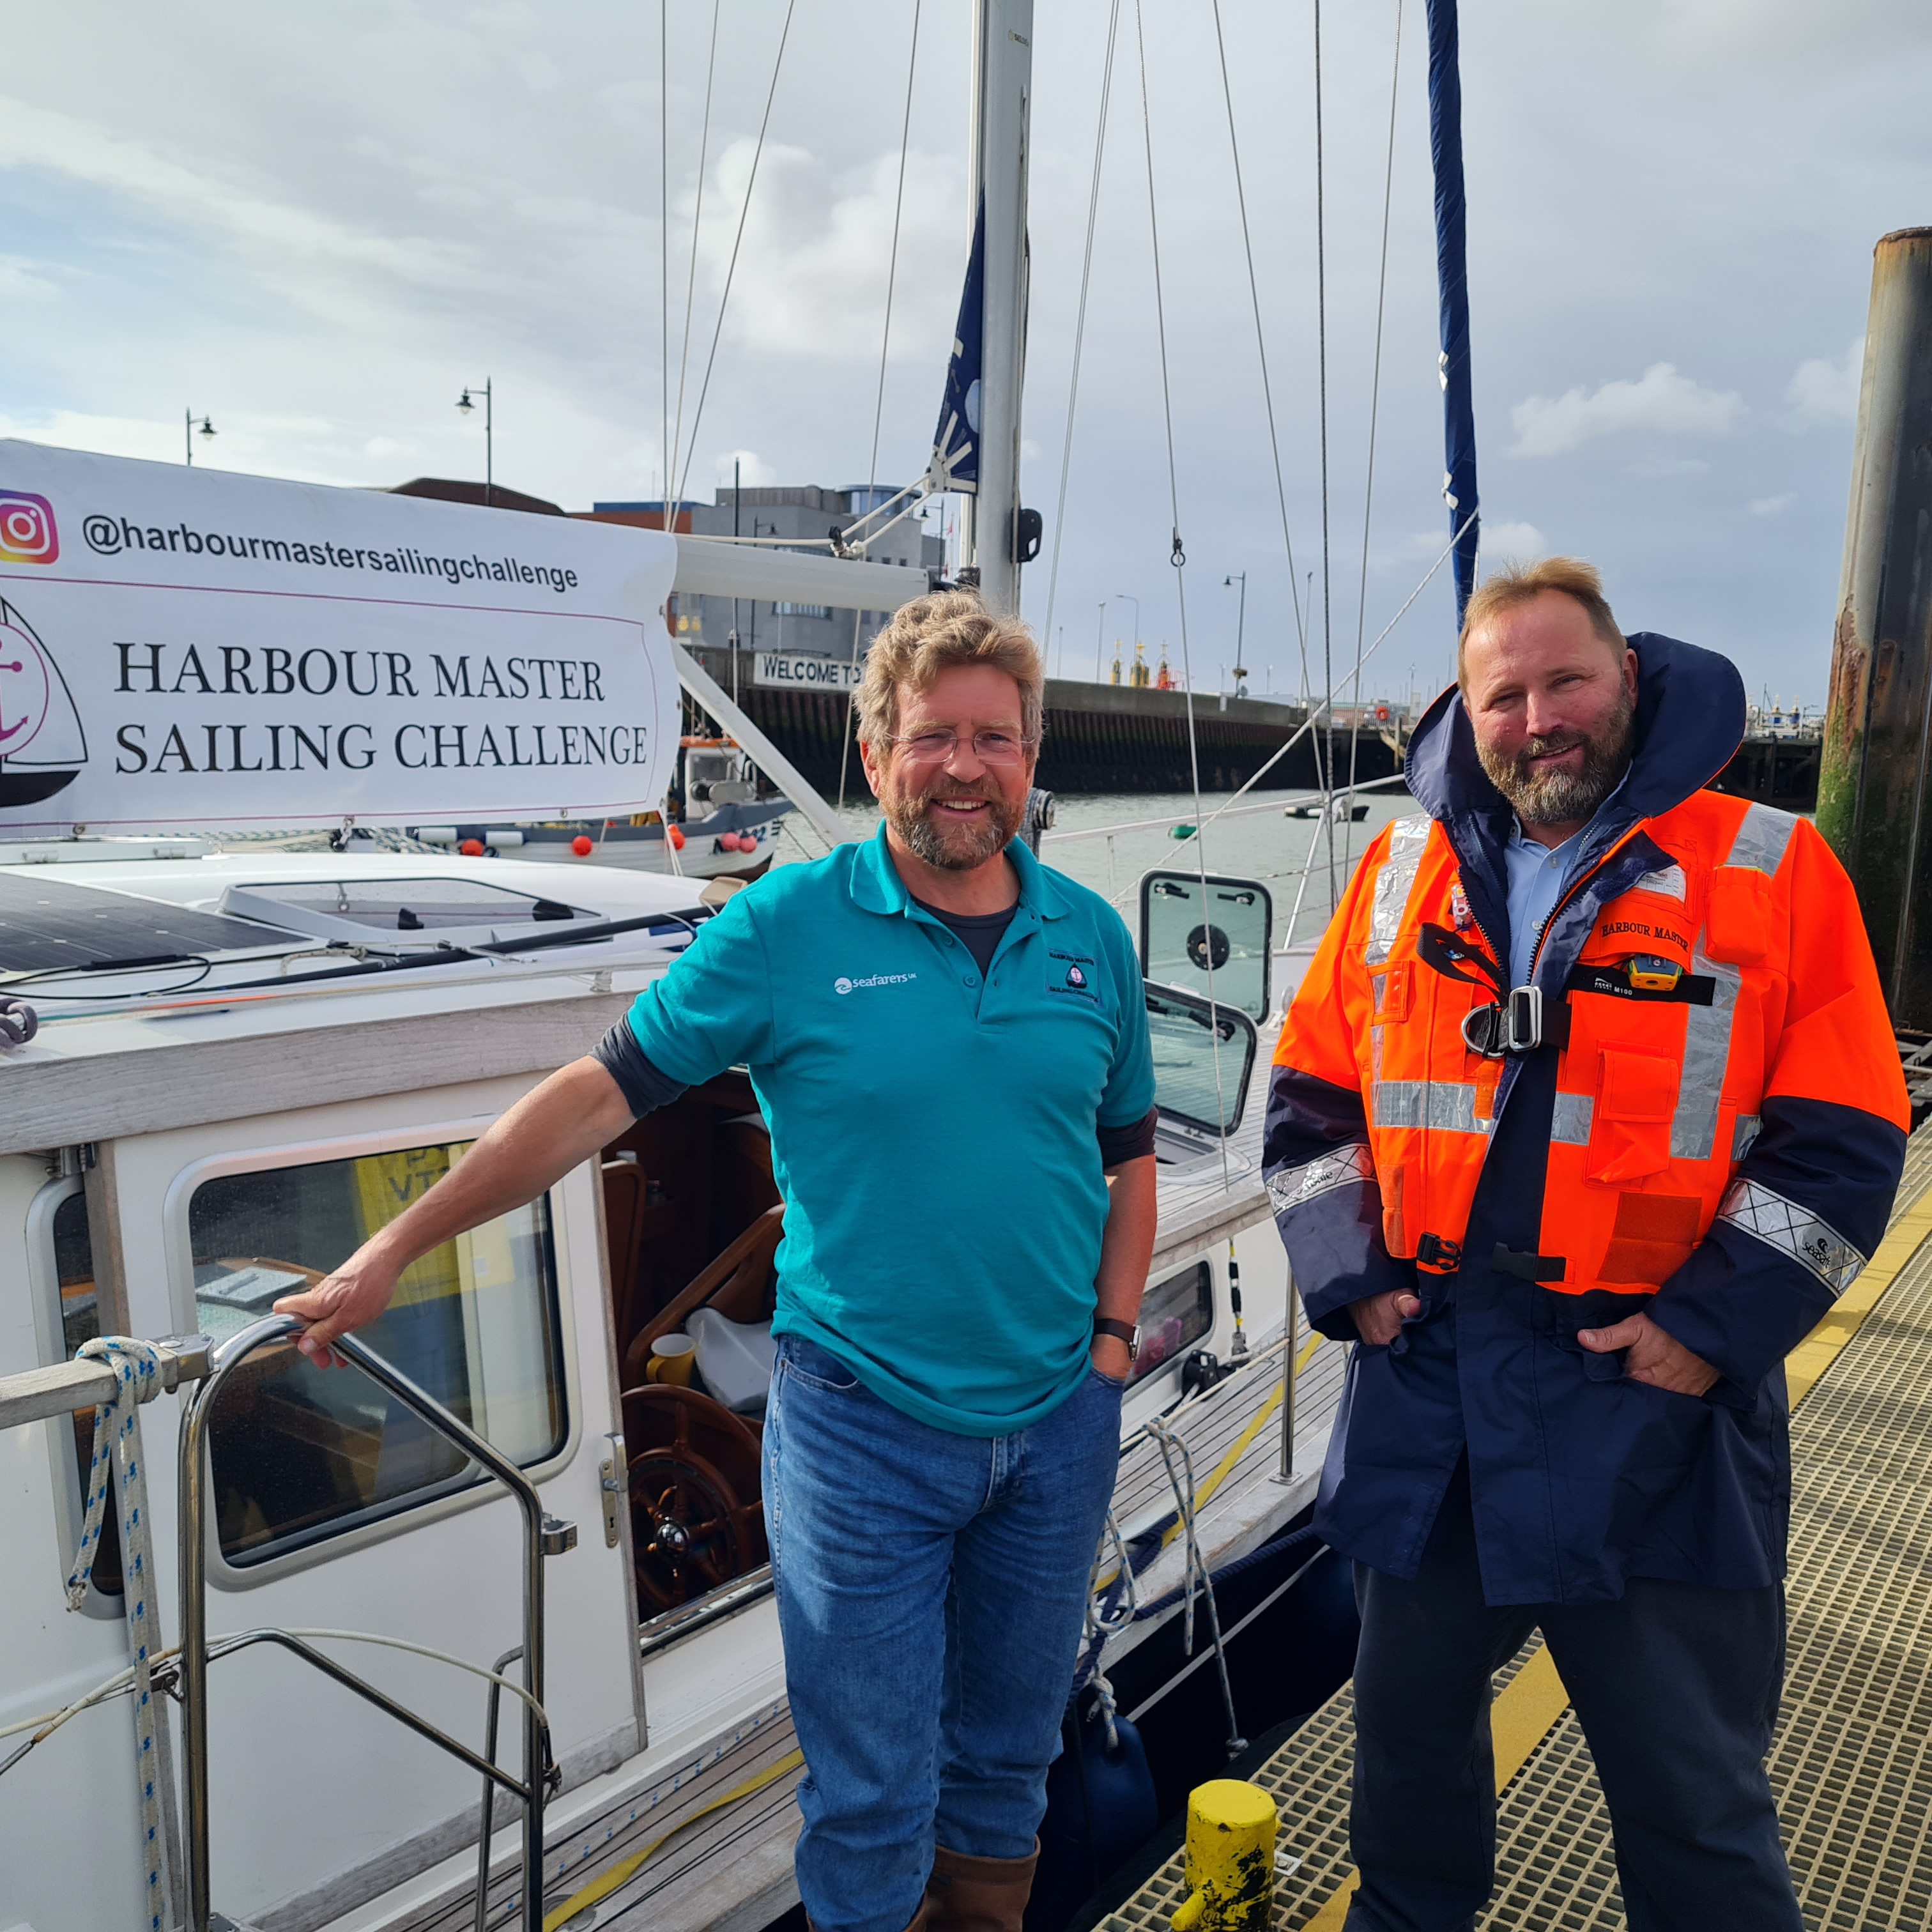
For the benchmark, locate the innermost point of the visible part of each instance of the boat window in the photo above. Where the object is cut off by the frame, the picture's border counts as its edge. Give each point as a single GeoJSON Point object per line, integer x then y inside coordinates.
{"type": "Point", "coordinates": [1175, 1314]}
{"type": "Point", "coordinates": [1189, 925]}
{"type": "Point", "coordinates": [300, 1453]}
{"type": "Point", "coordinates": [1202, 1058]}
{"type": "Point", "coordinates": [80, 1321]}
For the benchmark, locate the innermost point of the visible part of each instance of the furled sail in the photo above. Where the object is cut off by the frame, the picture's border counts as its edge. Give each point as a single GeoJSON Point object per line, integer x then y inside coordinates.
{"type": "Point", "coordinates": [1452, 280]}
{"type": "Point", "coordinates": [955, 446]}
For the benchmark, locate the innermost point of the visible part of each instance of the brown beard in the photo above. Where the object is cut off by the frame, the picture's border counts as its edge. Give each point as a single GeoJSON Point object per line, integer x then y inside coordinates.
{"type": "Point", "coordinates": [1564, 798]}
{"type": "Point", "coordinates": [953, 848]}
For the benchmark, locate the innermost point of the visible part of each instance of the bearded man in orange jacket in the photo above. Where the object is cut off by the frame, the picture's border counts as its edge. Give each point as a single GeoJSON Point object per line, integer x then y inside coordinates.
{"type": "Point", "coordinates": [1588, 1109]}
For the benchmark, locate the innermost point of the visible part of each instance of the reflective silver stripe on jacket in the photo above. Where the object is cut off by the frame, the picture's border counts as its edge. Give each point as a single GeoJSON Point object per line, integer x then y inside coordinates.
{"type": "Point", "coordinates": [1763, 836]}
{"type": "Point", "coordinates": [1707, 1052]}
{"type": "Point", "coordinates": [1746, 1130]}
{"type": "Point", "coordinates": [1761, 840]}
{"type": "Point", "coordinates": [1443, 1106]}
{"type": "Point", "coordinates": [1409, 838]}
{"type": "Point", "coordinates": [1327, 1171]}
{"type": "Point", "coordinates": [1569, 1119]}
{"type": "Point", "coordinates": [1794, 1231]}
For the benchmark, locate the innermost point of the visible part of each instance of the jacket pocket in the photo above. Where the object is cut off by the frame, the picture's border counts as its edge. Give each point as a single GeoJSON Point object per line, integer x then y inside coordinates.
{"type": "Point", "coordinates": [1629, 1128]}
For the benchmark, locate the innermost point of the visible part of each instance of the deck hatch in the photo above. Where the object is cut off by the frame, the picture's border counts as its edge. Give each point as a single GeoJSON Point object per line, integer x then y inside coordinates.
{"type": "Point", "coordinates": [47, 922]}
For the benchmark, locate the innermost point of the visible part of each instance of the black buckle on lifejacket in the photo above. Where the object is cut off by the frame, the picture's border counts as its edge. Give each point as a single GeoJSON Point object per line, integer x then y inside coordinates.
{"type": "Point", "coordinates": [1520, 1025]}
{"type": "Point", "coordinates": [1527, 1267]}
{"type": "Point", "coordinates": [1438, 1251]}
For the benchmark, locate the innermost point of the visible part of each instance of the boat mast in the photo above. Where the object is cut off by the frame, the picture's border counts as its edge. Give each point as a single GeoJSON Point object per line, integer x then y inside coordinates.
{"type": "Point", "coordinates": [1002, 97]}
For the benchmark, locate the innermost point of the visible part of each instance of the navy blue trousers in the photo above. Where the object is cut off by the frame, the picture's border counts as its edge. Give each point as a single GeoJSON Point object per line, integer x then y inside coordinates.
{"type": "Point", "coordinates": [1677, 1689]}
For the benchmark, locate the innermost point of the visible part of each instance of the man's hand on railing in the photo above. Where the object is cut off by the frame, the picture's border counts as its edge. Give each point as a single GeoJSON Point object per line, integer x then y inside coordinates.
{"type": "Point", "coordinates": [350, 1298]}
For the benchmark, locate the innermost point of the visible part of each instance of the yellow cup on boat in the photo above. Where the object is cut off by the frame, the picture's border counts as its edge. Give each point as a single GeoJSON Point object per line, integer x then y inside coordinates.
{"type": "Point", "coordinates": [673, 1360]}
{"type": "Point", "coordinates": [1231, 1827]}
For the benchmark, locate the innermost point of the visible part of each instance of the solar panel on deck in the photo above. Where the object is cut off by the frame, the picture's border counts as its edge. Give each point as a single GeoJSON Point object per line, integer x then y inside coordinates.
{"type": "Point", "coordinates": [47, 922]}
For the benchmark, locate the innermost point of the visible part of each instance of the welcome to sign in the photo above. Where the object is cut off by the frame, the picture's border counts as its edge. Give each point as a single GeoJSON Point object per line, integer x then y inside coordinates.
{"type": "Point", "coordinates": [185, 646]}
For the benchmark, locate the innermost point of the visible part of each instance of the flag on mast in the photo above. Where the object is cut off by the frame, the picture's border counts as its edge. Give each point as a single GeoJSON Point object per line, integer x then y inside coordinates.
{"type": "Point", "coordinates": [955, 445]}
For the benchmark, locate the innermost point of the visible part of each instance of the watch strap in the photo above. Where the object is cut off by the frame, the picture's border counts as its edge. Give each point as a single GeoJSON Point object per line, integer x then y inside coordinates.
{"type": "Point", "coordinates": [1121, 1331]}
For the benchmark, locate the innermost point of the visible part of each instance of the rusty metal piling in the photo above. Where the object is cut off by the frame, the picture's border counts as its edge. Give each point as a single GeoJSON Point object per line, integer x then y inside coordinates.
{"type": "Point", "coordinates": [1874, 801]}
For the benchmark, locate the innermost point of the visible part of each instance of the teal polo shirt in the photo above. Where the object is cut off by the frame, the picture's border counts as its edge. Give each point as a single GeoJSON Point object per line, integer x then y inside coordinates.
{"type": "Point", "coordinates": [934, 1138]}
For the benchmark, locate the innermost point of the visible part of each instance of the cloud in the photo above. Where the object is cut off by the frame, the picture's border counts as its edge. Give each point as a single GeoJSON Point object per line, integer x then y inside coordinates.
{"type": "Point", "coordinates": [810, 277]}
{"type": "Point", "coordinates": [1658, 464]}
{"type": "Point", "coordinates": [1518, 542]}
{"type": "Point", "coordinates": [1659, 400]}
{"type": "Point", "coordinates": [1826, 392]}
{"type": "Point", "coordinates": [753, 470]}
{"type": "Point", "coordinates": [1773, 506]}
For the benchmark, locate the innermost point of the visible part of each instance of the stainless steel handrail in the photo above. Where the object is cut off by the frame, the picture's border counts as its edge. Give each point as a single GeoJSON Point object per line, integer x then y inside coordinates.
{"type": "Point", "coordinates": [543, 1536]}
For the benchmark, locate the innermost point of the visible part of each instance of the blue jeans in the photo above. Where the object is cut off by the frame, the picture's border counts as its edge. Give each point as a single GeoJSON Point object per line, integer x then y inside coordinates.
{"type": "Point", "coordinates": [930, 1592]}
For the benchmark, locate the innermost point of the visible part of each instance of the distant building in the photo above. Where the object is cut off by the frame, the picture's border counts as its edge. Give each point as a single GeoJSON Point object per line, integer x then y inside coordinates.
{"type": "Point", "coordinates": [804, 514]}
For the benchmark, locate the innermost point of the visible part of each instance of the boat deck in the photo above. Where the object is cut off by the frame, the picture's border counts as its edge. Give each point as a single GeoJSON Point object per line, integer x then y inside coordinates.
{"type": "Point", "coordinates": [1851, 1765]}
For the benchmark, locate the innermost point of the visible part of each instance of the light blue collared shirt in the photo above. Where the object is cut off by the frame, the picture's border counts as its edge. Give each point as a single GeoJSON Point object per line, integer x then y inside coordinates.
{"type": "Point", "coordinates": [1536, 877]}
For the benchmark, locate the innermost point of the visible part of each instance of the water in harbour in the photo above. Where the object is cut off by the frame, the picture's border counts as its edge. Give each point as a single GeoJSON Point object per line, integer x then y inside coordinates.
{"type": "Point", "coordinates": [1255, 839]}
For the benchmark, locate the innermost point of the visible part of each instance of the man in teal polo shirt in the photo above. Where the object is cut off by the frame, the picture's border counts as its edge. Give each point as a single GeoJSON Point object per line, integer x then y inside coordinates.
{"type": "Point", "coordinates": [949, 1045]}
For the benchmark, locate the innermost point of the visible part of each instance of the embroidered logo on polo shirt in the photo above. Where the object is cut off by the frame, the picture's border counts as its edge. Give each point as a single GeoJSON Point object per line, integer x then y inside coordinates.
{"type": "Point", "coordinates": [1075, 977]}
{"type": "Point", "coordinates": [842, 985]}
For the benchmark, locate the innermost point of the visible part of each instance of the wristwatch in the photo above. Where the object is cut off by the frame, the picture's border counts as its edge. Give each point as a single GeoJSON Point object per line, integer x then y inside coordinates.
{"type": "Point", "coordinates": [1128, 1332]}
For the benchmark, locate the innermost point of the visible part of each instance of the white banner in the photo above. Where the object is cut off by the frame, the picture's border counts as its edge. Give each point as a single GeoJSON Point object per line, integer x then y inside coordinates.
{"type": "Point", "coordinates": [801, 671]}
{"type": "Point", "coordinates": [182, 646]}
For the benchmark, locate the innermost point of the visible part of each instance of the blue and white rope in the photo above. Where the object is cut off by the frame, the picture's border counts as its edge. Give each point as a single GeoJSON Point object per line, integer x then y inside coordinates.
{"type": "Point", "coordinates": [117, 1436]}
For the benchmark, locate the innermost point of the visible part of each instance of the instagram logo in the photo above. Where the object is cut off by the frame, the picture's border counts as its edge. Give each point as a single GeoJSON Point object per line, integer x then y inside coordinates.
{"type": "Point", "coordinates": [27, 533]}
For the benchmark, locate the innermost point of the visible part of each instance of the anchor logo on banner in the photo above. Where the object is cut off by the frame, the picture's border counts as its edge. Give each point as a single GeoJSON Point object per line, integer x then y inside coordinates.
{"type": "Point", "coordinates": [42, 746]}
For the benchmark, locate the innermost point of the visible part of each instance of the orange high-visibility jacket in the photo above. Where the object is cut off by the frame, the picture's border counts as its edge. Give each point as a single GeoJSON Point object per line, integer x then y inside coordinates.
{"type": "Point", "coordinates": [1705, 1122]}
{"type": "Point", "coordinates": [1694, 994]}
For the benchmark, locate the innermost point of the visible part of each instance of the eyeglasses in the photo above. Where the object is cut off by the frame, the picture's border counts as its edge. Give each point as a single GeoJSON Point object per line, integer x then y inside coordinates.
{"type": "Point", "coordinates": [938, 748]}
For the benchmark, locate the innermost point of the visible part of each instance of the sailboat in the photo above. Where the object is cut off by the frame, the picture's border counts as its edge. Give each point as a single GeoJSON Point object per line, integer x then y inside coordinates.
{"type": "Point", "coordinates": [292, 1706]}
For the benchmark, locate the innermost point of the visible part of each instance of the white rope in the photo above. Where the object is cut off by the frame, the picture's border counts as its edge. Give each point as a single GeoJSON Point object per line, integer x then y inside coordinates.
{"type": "Point", "coordinates": [1374, 411]}
{"type": "Point", "coordinates": [1261, 349]}
{"type": "Point", "coordinates": [1322, 370]}
{"type": "Point", "coordinates": [737, 241]}
{"type": "Point", "coordinates": [885, 345]}
{"type": "Point", "coordinates": [117, 1437]}
{"type": "Point", "coordinates": [1080, 320]}
{"type": "Point", "coordinates": [1178, 558]}
{"type": "Point", "coordinates": [1196, 1575]}
{"type": "Point", "coordinates": [691, 283]}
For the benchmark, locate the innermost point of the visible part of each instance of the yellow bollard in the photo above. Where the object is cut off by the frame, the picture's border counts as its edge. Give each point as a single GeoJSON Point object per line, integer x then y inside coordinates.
{"type": "Point", "coordinates": [1230, 1859]}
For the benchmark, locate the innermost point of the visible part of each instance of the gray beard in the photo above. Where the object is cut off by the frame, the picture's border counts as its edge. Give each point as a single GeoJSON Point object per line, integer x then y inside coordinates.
{"type": "Point", "coordinates": [956, 848]}
{"type": "Point", "coordinates": [1564, 798]}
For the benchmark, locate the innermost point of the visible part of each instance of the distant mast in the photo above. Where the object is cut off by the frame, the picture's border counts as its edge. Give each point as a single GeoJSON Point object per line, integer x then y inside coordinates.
{"type": "Point", "coordinates": [1452, 282]}
{"type": "Point", "coordinates": [1002, 100]}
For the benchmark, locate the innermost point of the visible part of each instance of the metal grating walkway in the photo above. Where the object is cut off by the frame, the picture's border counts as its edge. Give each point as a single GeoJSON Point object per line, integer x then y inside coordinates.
{"type": "Point", "coordinates": [1852, 1762]}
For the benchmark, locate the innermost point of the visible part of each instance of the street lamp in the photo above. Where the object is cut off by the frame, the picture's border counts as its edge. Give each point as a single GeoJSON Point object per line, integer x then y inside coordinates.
{"type": "Point", "coordinates": [463, 403]}
{"type": "Point", "coordinates": [206, 428]}
{"type": "Point", "coordinates": [1100, 637]}
{"type": "Point", "coordinates": [1127, 597]}
{"type": "Point", "coordinates": [1241, 625]}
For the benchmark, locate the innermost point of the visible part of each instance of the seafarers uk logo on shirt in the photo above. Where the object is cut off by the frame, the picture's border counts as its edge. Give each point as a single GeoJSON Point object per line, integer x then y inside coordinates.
{"type": "Point", "coordinates": [842, 986]}
{"type": "Point", "coordinates": [1071, 973]}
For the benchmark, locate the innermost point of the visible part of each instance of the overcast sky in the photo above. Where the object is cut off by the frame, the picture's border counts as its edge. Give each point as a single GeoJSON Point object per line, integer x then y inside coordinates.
{"type": "Point", "coordinates": [317, 225]}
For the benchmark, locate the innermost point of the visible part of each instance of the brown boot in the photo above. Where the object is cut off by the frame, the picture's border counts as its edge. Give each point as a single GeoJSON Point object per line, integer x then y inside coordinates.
{"type": "Point", "coordinates": [978, 1894]}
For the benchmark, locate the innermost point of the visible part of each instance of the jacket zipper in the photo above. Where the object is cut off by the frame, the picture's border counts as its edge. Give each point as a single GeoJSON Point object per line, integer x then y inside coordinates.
{"type": "Point", "coordinates": [1571, 892]}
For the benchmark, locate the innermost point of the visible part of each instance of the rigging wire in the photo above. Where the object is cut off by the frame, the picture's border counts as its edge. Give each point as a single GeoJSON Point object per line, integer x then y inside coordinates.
{"type": "Point", "coordinates": [1178, 558]}
{"type": "Point", "coordinates": [1375, 407]}
{"type": "Point", "coordinates": [737, 241]}
{"type": "Point", "coordinates": [1261, 349]}
{"type": "Point", "coordinates": [1080, 318]}
{"type": "Point", "coordinates": [885, 344]}
{"type": "Point", "coordinates": [1322, 367]}
{"type": "Point", "coordinates": [696, 222]}
{"type": "Point", "coordinates": [664, 241]}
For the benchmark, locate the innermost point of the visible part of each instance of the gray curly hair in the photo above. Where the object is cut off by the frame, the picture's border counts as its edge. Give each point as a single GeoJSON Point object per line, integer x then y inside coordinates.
{"type": "Point", "coordinates": [930, 635]}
